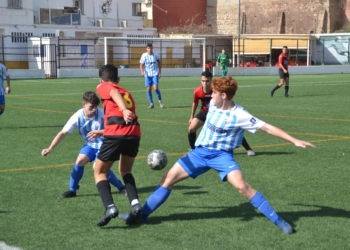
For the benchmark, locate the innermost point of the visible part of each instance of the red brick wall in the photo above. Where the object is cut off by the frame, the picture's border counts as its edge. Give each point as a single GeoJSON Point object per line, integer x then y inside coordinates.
{"type": "Point", "coordinates": [178, 12]}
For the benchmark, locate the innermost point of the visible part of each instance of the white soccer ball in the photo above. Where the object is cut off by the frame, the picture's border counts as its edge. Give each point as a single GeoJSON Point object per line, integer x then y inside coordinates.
{"type": "Point", "coordinates": [157, 159]}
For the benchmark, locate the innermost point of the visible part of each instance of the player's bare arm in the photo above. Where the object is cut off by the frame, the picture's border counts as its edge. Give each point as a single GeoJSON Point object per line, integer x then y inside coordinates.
{"type": "Point", "coordinates": [58, 138]}
{"type": "Point", "coordinates": [272, 130]}
{"type": "Point", "coordinates": [119, 100]}
{"type": "Point", "coordinates": [142, 67]}
{"type": "Point", "coordinates": [8, 89]}
{"type": "Point", "coordinates": [159, 68]}
{"type": "Point", "coordinates": [94, 134]}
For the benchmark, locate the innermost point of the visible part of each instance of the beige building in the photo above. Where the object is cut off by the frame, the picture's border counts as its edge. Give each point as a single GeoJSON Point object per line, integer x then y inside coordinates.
{"type": "Point", "coordinates": [277, 16]}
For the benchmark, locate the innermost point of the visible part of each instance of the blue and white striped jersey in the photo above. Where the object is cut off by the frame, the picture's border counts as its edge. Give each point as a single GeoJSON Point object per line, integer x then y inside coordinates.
{"type": "Point", "coordinates": [224, 129]}
{"type": "Point", "coordinates": [3, 74]}
{"type": "Point", "coordinates": [85, 125]}
{"type": "Point", "coordinates": [151, 64]}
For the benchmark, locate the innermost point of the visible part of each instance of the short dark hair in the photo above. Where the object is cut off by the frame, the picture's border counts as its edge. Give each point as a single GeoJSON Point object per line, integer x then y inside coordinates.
{"type": "Point", "coordinates": [91, 97]}
{"type": "Point", "coordinates": [108, 73]}
{"type": "Point", "coordinates": [207, 74]}
{"type": "Point", "coordinates": [149, 45]}
{"type": "Point", "coordinates": [285, 47]}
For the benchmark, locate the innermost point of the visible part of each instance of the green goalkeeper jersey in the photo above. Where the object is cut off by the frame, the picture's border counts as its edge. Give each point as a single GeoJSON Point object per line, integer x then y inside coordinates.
{"type": "Point", "coordinates": [222, 59]}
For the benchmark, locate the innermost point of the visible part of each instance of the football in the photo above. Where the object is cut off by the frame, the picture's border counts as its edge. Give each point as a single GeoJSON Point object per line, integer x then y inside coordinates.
{"type": "Point", "coordinates": [157, 160]}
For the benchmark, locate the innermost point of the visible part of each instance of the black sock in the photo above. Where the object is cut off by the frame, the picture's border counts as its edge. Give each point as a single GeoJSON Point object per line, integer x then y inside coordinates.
{"type": "Point", "coordinates": [275, 88]}
{"type": "Point", "coordinates": [286, 88]}
{"type": "Point", "coordinates": [130, 186]}
{"type": "Point", "coordinates": [245, 144]}
{"type": "Point", "coordinates": [104, 189]}
{"type": "Point", "coordinates": [192, 139]}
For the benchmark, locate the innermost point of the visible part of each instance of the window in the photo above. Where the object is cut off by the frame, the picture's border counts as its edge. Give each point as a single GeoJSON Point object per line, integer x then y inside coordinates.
{"type": "Point", "coordinates": [80, 5]}
{"type": "Point", "coordinates": [14, 4]}
{"type": "Point", "coordinates": [20, 37]}
{"type": "Point", "coordinates": [140, 41]}
{"type": "Point", "coordinates": [136, 9]}
{"type": "Point", "coordinates": [144, 15]}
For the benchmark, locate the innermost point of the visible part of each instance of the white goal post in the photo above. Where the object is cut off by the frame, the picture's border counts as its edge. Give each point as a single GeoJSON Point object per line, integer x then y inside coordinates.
{"type": "Point", "coordinates": [125, 52]}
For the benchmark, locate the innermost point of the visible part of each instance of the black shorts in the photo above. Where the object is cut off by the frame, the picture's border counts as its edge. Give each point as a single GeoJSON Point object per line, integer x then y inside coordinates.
{"type": "Point", "coordinates": [202, 115]}
{"type": "Point", "coordinates": [282, 74]}
{"type": "Point", "coordinates": [112, 148]}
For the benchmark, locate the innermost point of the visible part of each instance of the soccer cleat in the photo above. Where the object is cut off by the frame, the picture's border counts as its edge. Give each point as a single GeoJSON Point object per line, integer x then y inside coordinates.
{"type": "Point", "coordinates": [68, 194]}
{"type": "Point", "coordinates": [110, 213]}
{"type": "Point", "coordinates": [125, 217]}
{"type": "Point", "coordinates": [161, 104]}
{"type": "Point", "coordinates": [134, 216]}
{"type": "Point", "coordinates": [151, 106]}
{"type": "Point", "coordinates": [250, 152]}
{"type": "Point", "coordinates": [284, 226]}
{"type": "Point", "coordinates": [287, 96]}
{"type": "Point", "coordinates": [123, 192]}
{"type": "Point", "coordinates": [272, 92]}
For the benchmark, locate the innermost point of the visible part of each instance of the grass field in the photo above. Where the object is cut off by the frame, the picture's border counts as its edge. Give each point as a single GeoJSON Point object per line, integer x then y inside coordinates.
{"type": "Point", "coordinates": [308, 187]}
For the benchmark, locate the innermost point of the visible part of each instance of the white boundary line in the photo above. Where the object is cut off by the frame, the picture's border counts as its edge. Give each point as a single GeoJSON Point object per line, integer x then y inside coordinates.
{"type": "Point", "coordinates": [4, 246]}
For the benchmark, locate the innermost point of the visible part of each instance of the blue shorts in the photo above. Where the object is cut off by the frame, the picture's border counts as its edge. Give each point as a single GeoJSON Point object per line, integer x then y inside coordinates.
{"type": "Point", "coordinates": [200, 160]}
{"type": "Point", "coordinates": [89, 152]}
{"type": "Point", "coordinates": [150, 80]}
{"type": "Point", "coordinates": [2, 100]}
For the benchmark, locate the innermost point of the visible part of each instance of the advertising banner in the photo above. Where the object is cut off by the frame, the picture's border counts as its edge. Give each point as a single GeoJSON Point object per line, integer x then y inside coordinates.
{"type": "Point", "coordinates": [332, 50]}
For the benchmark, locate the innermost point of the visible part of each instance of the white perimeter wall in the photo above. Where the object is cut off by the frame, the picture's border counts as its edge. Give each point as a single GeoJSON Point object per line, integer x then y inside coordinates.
{"type": "Point", "coordinates": [81, 73]}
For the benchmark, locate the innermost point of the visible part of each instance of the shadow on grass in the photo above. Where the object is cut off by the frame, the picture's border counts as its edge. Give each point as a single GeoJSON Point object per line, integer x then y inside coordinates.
{"type": "Point", "coordinates": [151, 190]}
{"type": "Point", "coordinates": [5, 212]}
{"type": "Point", "coordinates": [246, 212]}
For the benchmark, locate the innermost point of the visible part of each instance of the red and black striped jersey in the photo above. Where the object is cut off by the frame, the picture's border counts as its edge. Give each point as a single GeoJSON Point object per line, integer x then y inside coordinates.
{"type": "Point", "coordinates": [113, 120]}
{"type": "Point", "coordinates": [204, 97]}
{"type": "Point", "coordinates": [283, 59]}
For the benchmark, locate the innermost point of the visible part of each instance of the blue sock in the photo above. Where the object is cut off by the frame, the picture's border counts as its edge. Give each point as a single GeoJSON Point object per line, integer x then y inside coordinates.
{"type": "Point", "coordinates": [1, 111]}
{"type": "Point", "coordinates": [156, 199]}
{"type": "Point", "coordinates": [149, 96]}
{"type": "Point", "coordinates": [158, 94]}
{"type": "Point", "coordinates": [260, 203]}
{"type": "Point", "coordinates": [114, 180]}
{"type": "Point", "coordinates": [75, 177]}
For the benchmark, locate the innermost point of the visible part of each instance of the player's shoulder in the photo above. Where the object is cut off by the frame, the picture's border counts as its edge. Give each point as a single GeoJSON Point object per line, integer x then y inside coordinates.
{"type": "Point", "coordinates": [198, 89]}
{"type": "Point", "coordinates": [239, 109]}
{"type": "Point", "coordinates": [2, 67]}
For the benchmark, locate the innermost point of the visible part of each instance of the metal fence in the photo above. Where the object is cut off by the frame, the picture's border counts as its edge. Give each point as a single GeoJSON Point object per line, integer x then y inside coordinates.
{"type": "Point", "coordinates": [52, 53]}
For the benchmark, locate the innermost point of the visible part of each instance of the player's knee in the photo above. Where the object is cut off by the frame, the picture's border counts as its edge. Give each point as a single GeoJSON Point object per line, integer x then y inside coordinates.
{"type": "Point", "coordinates": [191, 130]}
{"type": "Point", "coordinates": [243, 189]}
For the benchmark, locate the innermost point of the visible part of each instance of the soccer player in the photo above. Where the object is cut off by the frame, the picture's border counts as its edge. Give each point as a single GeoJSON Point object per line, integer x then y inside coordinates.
{"type": "Point", "coordinates": [283, 72]}
{"type": "Point", "coordinates": [151, 67]}
{"type": "Point", "coordinates": [89, 122]}
{"type": "Point", "coordinates": [222, 60]}
{"type": "Point", "coordinates": [4, 74]}
{"type": "Point", "coordinates": [122, 135]}
{"type": "Point", "coordinates": [222, 130]}
{"type": "Point", "coordinates": [203, 93]}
